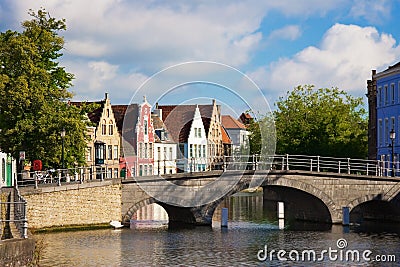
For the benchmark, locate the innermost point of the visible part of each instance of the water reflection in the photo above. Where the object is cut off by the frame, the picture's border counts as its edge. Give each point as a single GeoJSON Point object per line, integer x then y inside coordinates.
{"type": "Point", "coordinates": [150, 216]}
{"type": "Point", "coordinates": [252, 225]}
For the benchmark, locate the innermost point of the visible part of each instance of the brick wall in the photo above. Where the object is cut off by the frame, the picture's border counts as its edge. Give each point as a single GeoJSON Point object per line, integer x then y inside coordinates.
{"type": "Point", "coordinates": [76, 204]}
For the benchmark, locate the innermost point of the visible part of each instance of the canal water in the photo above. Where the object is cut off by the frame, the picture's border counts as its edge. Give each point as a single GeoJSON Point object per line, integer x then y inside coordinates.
{"type": "Point", "coordinates": [251, 239]}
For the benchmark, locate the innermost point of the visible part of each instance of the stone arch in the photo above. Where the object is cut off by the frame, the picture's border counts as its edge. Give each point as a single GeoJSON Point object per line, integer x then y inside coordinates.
{"type": "Point", "coordinates": [208, 210]}
{"type": "Point", "coordinates": [135, 207]}
{"type": "Point", "coordinates": [357, 201]}
{"type": "Point", "coordinates": [308, 188]}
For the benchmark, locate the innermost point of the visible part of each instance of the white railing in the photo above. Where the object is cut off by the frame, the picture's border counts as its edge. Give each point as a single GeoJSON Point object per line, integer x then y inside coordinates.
{"type": "Point", "coordinates": [237, 162]}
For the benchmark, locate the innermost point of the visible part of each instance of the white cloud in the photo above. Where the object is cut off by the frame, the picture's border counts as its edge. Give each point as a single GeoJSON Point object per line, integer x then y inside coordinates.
{"type": "Point", "coordinates": [290, 32]}
{"type": "Point", "coordinates": [372, 10]}
{"type": "Point", "coordinates": [345, 58]}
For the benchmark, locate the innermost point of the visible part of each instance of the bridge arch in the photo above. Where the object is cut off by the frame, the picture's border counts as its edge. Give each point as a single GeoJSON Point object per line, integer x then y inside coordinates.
{"type": "Point", "coordinates": [209, 209]}
{"type": "Point", "coordinates": [176, 215]}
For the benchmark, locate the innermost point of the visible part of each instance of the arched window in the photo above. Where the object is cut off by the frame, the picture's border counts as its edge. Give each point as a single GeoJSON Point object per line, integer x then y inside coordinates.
{"type": "Point", "coordinates": [111, 128]}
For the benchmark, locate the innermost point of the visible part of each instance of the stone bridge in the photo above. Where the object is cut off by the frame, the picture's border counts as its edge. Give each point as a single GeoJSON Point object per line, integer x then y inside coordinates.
{"type": "Point", "coordinates": [308, 195]}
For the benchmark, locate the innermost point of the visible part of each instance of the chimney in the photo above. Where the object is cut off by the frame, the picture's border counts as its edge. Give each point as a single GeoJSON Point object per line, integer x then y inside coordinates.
{"type": "Point", "coordinates": [106, 95]}
{"type": "Point", "coordinates": [373, 72]}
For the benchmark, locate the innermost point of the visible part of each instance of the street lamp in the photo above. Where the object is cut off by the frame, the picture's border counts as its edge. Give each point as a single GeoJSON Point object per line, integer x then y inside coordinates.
{"type": "Point", "coordinates": [62, 148]}
{"type": "Point", "coordinates": [392, 136]}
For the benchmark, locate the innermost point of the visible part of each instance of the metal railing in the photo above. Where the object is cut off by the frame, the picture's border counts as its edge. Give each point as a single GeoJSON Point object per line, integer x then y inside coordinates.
{"type": "Point", "coordinates": [20, 216]}
{"type": "Point", "coordinates": [236, 162]}
{"type": "Point", "coordinates": [13, 210]}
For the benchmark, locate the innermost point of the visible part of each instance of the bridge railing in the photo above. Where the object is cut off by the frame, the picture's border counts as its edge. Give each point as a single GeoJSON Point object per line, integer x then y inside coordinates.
{"type": "Point", "coordinates": [312, 164]}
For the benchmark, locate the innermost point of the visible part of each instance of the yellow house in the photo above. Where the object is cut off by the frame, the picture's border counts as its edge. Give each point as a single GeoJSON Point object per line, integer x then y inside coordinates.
{"type": "Point", "coordinates": [103, 148]}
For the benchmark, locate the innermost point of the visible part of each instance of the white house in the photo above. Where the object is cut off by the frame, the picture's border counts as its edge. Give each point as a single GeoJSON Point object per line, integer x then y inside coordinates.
{"type": "Point", "coordinates": [185, 125]}
{"type": "Point", "coordinates": [237, 133]}
{"type": "Point", "coordinates": [164, 147]}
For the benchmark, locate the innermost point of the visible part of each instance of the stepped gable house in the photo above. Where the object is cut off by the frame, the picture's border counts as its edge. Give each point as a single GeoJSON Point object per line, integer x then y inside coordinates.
{"type": "Point", "coordinates": [137, 138]}
{"type": "Point", "coordinates": [103, 147]}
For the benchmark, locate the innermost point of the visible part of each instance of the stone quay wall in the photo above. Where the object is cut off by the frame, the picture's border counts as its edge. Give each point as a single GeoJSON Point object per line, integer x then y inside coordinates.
{"type": "Point", "coordinates": [90, 203]}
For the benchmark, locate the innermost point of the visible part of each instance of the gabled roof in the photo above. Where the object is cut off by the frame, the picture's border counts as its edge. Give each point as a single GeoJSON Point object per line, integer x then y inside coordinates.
{"type": "Point", "coordinates": [231, 123]}
{"type": "Point", "coordinates": [93, 116]}
{"type": "Point", "coordinates": [178, 120]}
{"type": "Point", "coordinates": [119, 115]}
{"type": "Point", "coordinates": [225, 136]}
{"type": "Point", "coordinates": [205, 112]}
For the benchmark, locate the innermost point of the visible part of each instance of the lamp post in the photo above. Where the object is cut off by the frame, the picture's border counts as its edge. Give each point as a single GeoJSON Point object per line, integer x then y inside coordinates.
{"type": "Point", "coordinates": [62, 148]}
{"type": "Point", "coordinates": [392, 137]}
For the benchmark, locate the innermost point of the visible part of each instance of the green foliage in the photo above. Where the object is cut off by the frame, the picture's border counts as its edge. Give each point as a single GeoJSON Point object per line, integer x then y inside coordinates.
{"type": "Point", "coordinates": [326, 122]}
{"type": "Point", "coordinates": [33, 95]}
{"type": "Point", "coordinates": [262, 137]}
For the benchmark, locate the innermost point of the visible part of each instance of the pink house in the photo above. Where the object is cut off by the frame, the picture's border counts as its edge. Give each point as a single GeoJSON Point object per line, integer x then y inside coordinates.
{"type": "Point", "coordinates": [137, 134]}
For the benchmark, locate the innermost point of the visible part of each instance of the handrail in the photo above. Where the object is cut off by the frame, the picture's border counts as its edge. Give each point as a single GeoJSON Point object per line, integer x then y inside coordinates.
{"type": "Point", "coordinates": [235, 162]}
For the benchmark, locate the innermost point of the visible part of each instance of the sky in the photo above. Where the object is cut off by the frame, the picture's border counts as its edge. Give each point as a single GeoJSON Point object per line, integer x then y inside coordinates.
{"type": "Point", "coordinates": [117, 46]}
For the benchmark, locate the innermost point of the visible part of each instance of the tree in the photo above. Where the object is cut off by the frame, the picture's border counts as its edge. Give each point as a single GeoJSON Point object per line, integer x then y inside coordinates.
{"type": "Point", "coordinates": [326, 122]}
{"type": "Point", "coordinates": [33, 95]}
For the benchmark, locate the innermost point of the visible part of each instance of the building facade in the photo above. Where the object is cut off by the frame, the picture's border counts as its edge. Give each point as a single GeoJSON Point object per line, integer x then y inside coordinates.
{"type": "Point", "coordinates": [186, 128]}
{"type": "Point", "coordinates": [7, 169]}
{"type": "Point", "coordinates": [103, 147]}
{"type": "Point", "coordinates": [164, 147]}
{"type": "Point", "coordinates": [137, 138]}
{"type": "Point", "coordinates": [237, 132]}
{"type": "Point", "coordinates": [384, 118]}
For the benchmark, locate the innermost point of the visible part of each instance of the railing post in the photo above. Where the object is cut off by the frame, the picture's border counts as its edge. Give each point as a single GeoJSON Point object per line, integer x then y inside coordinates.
{"type": "Point", "coordinates": [348, 165]}
{"type": "Point", "coordinates": [223, 163]}
{"type": "Point", "coordinates": [59, 178]}
{"type": "Point", "coordinates": [287, 162]}
{"type": "Point", "coordinates": [311, 162]}
{"type": "Point", "coordinates": [25, 222]}
{"type": "Point", "coordinates": [339, 167]}
{"type": "Point", "coordinates": [36, 180]}
{"type": "Point", "coordinates": [283, 163]}
{"type": "Point", "coordinates": [367, 168]}
{"type": "Point", "coordinates": [317, 163]}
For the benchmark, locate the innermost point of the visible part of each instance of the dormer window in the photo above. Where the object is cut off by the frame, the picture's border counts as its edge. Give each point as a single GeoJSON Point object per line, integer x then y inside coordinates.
{"type": "Point", "coordinates": [111, 128]}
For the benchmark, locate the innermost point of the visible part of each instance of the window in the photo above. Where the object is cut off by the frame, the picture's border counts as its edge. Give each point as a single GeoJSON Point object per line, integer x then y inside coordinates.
{"type": "Point", "coordinates": [191, 151]}
{"type": "Point", "coordinates": [111, 128]}
{"type": "Point", "coordinates": [398, 92]}
{"type": "Point", "coordinates": [379, 96]}
{"type": "Point", "coordinates": [151, 150]}
{"type": "Point", "coordinates": [158, 153]}
{"type": "Point", "coordinates": [145, 170]}
{"type": "Point", "coordinates": [110, 150]}
{"type": "Point", "coordinates": [140, 170]}
{"type": "Point", "coordinates": [393, 123]}
{"type": "Point", "coordinates": [89, 153]}
{"type": "Point", "coordinates": [109, 173]}
{"type": "Point", "coordinates": [170, 154]}
{"type": "Point", "coordinates": [104, 128]}
{"type": "Point", "coordinates": [380, 132]}
{"type": "Point", "coordinates": [386, 95]}
{"type": "Point", "coordinates": [145, 127]}
{"type": "Point", "coordinates": [392, 92]}
{"type": "Point", "coordinates": [195, 151]}
{"type": "Point", "coordinates": [140, 152]}
{"type": "Point", "coordinates": [115, 175]}
{"type": "Point", "coordinates": [116, 154]}
{"type": "Point", "coordinates": [150, 170]}
{"type": "Point", "coordinates": [204, 151]}
{"type": "Point", "coordinates": [199, 130]}
{"type": "Point", "coordinates": [145, 151]}
{"type": "Point", "coordinates": [386, 130]}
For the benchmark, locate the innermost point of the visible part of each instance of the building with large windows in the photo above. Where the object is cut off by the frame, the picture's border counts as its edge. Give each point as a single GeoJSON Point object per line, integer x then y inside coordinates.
{"type": "Point", "coordinates": [384, 115]}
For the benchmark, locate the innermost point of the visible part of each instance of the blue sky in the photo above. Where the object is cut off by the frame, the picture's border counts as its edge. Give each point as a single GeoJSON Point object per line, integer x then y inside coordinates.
{"type": "Point", "coordinates": [115, 45]}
